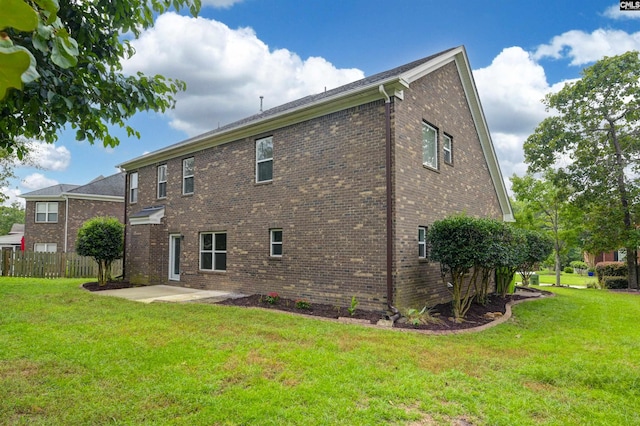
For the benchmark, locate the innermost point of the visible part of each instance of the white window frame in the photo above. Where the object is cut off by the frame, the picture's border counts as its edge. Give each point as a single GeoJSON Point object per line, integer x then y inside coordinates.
{"type": "Point", "coordinates": [422, 242]}
{"type": "Point", "coordinates": [186, 176]}
{"type": "Point", "coordinates": [45, 247]}
{"type": "Point", "coordinates": [162, 181]}
{"type": "Point", "coordinates": [49, 207]}
{"type": "Point", "coordinates": [447, 148]}
{"type": "Point", "coordinates": [263, 160]}
{"type": "Point", "coordinates": [133, 187]}
{"type": "Point", "coordinates": [213, 251]}
{"type": "Point", "coordinates": [273, 243]}
{"type": "Point", "coordinates": [429, 152]}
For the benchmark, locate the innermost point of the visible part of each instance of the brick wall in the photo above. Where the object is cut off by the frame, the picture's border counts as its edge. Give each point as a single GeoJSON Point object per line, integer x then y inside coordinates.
{"type": "Point", "coordinates": [82, 210]}
{"type": "Point", "coordinates": [43, 232]}
{"type": "Point", "coordinates": [424, 195]}
{"type": "Point", "coordinates": [327, 195]}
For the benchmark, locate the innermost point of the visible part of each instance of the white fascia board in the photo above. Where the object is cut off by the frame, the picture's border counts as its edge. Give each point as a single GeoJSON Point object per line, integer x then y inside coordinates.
{"type": "Point", "coordinates": [338, 102]}
{"type": "Point", "coordinates": [95, 197]}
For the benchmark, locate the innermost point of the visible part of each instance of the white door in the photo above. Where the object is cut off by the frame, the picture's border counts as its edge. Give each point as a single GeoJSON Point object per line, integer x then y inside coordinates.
{"type": "Point", "coordinates": [174, 257]}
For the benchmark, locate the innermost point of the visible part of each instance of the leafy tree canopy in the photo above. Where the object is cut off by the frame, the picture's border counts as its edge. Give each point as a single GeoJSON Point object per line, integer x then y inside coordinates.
{"type": "Point", "coordinates": [103, 239]}
{"type": "Point", "coordinates": [73, 68]}
{"type": "Point", "coordinates": [10, 215]}
{"type": "Point", "coordinates": [594, 142]}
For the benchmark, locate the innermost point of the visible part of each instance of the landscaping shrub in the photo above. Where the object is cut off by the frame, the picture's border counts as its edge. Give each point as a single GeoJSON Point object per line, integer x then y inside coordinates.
{"type": "Point", "coordinates": [615, 282]}
{"type": "Point", "coordinates": [578, 264]}
{"type": "Point", "coordinates": [610, 269]}
{"type": "Point", "coordinates": [568, 270]}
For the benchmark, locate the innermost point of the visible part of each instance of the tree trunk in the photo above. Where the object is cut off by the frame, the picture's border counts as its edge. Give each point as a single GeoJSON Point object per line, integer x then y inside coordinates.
{"type": "Point", "coordinates": [632, 266]}
{"type": "Point", "coordinates": [557, 255]}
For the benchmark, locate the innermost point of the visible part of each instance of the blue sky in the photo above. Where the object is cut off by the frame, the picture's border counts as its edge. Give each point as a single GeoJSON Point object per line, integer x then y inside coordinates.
{"type": "Point", "coordinates": [239, 50]}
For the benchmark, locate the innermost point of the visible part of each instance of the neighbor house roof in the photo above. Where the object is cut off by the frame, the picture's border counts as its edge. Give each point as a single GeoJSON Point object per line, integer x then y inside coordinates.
{"type": "Point", "coordinates": [391, 82]}
{"type": "Point", "coordinates": [110, 188]}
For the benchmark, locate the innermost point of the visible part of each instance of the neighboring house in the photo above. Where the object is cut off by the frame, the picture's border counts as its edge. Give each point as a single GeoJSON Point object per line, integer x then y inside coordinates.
{"type": "Point", "coordinates": [53, 215]}
{"type": "Point", "coordinates": [323, 198]}
{"type": "Point", "coordinates": [13, 240]}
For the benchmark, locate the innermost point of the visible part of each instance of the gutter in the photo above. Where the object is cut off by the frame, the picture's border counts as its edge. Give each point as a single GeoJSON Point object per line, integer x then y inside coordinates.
{"type": "Point", "coordinates": [388, 178]}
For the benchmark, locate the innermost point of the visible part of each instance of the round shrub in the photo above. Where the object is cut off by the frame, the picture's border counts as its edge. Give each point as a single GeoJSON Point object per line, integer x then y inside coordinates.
{"type": "Point", "coordinates": [615, 283]}
{"type": "Point", "coordinates": [610, 269]}
{"type": "Point", "coordinates": [568, 270]}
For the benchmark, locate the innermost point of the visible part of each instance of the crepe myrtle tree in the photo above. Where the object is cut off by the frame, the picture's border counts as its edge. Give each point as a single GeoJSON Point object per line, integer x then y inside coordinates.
{"type": "Point", "coordinates": [469, 251]}
{"type": "Point", "coordinates": [101, 238]}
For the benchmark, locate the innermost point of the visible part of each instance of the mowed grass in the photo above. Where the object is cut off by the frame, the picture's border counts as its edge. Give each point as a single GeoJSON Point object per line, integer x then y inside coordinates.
{"type": "Point", "coordinates": [71, 357]}
{"type": "Point", "coordinates": [549, 277]}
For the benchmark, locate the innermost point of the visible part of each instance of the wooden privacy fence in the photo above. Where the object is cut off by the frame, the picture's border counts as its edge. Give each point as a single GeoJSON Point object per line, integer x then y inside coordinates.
{"type": "Point", "coordinates": [52, 265]}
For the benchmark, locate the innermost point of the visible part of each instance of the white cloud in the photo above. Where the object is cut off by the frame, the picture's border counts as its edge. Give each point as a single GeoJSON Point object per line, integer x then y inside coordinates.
{"type": "Point", "coordinates": [227, 71]}
{"type": "Point", "coordinates": [48, 156]}
{"type": "Point", "coordinates": [584, 48]}
{"type": "Point", "coordinates": [12, 195]}
{"type": "Point", "coordinates": [221, 4]}
{"type": "Point", "coordinates": [614, 12]}
{"type": "Point", "coordinates": [37, 181]}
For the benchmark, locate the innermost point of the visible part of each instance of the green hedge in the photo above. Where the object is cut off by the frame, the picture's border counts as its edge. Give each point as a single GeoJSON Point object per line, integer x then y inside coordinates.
{"type": "Point", "coordinates": [615, 282]}
{"type": "Point", "coordinates": [610, 269]}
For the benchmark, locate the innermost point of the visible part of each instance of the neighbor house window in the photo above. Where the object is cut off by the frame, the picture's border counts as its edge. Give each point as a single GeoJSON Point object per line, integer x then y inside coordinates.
{"type": "Point", "coordinates": [276, 242]}
{"type": "Point", "coordinates": [422, 242]}
{"type": "Point", "coordinates": [47, 212]}
{"type": "Point", "coordinates": [264, 159]}
{"type": "Point", "coordinates": [447, 149]}
{"type": "Point", "coordinates": [45, 247]}
{"type": "Point", "coordinates": [187, 175]}
{"type": "Point", "coordinates": [213, 251]}
{"type": "Point", "coordinates": [162, 181]}
{"type": "Point", "coordinates": [429, 146]}
{"type": "Point", "coordinates": [133, 187]}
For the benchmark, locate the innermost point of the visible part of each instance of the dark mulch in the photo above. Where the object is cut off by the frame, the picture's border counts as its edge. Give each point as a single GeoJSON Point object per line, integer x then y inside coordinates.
{"type": "Point", "coordinates": [111, 285]}
{"type": "Point", "coordinates": [476, 316]}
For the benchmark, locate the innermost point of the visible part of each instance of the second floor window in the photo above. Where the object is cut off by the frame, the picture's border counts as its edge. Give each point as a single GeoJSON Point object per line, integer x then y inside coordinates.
{"type": "Point", "coordinates": [264, 159]}
{"type": "Point", "coordinates": [162, 181]}
{"type": "Point", "coordinates": [429, 146]}
{"type": "Point", "coordinates": [276, 242]}
{"type": "Point", "coordinates": [187, 175]}
{"type": "Point", "coordinates": [133, 187]}
{"type": "Point", "coordinates": [46, 212]}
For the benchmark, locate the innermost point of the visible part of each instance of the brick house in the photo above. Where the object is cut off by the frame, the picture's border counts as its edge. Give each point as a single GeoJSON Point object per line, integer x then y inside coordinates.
{"type": "Point", "coordinates": [54, 214]}
{"type": "Point", "coordinates": [323, 198]}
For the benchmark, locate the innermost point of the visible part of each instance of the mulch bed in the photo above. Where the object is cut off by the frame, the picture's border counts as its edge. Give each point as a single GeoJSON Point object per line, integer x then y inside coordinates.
{"type": "Point", "coordinates": [476, 316]}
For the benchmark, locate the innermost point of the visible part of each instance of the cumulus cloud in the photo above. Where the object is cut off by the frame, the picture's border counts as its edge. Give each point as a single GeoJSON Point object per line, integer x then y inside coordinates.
{"type": "Point", "coordinates": [37, 181]}
{"type": "Point", "coordinates": [48, 156]}
{"type": "Point", "coordinates": [227, 71]}
{"type": "Point", "coordinates": [221, 4]}
{"type": "Point", "coordinates": [584, 48]}
{"type": "Point", "coordinates": [614, 12]}
{"type": "Point", "coordinates": [12, 195]}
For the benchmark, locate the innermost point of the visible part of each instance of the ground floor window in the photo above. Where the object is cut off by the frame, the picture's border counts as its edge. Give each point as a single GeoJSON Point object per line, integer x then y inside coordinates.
{"type": "Point", "coordinates": [276, 242]}
{"type": "Point", "coordinates": [213, 251]}
{"type": "Point", "coordinates": [422, 242]}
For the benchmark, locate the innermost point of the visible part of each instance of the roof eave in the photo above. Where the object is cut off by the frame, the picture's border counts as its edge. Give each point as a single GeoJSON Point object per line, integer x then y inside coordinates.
{"type": "Point", "coordinates": [325, 106]}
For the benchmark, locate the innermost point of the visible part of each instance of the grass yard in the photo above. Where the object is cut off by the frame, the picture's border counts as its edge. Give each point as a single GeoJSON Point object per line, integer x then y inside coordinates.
{"type": "Point", "coordinates": [549, 277]}
{"type": "Point", "coordinates": [71, 357]}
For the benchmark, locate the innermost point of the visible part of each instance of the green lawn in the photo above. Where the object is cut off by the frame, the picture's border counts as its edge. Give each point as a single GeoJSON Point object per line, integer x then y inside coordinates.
{"type": "Point", "coordinates": [549, 277]}
{"type": "Point", "coordinates": [71, 357]}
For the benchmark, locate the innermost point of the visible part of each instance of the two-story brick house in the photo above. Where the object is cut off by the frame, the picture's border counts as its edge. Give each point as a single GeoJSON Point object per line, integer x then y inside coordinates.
{"type": "Point", "coordinates": [324, 198]}
{"type": "Point", "coordinates": [54, 214]}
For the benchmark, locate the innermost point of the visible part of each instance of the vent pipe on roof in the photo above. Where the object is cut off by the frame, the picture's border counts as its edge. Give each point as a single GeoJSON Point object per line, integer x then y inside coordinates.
{"type": "Point", "coordinates": [261, 98]}
{"type": "Point", "coordinates": [388, 178]}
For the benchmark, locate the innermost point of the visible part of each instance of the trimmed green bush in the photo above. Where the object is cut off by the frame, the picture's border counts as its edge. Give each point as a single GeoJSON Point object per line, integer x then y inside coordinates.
{"type": "Point", "coordinates": [568, 270]}
{"type": "Point", "coordinates": [610, 269]}
{"type": "Point", "coordinates": [616, 283]}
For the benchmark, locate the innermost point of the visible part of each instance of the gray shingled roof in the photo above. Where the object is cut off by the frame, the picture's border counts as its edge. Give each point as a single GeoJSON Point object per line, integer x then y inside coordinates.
{"type": "Point", "coordinates": [51, 191]}
{"type": "Point", "coordinates": [113, 185]}
{"type": "Point", "coordinates": [311, 99]}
